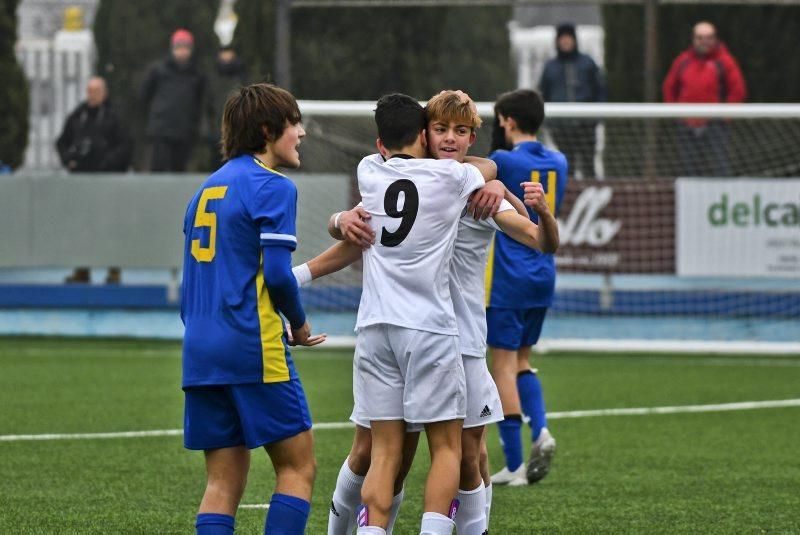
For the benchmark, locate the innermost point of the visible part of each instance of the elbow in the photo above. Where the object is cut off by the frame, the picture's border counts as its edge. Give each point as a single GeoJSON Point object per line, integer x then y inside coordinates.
{"type": "Point", "coordinates": [280, 280]}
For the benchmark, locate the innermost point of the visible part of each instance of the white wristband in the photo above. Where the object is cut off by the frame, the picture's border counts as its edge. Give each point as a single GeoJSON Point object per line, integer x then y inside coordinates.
{"type": "Point", "coordinates": [303, 274]}
{"type": "Point", "coordinates": [336, 220]}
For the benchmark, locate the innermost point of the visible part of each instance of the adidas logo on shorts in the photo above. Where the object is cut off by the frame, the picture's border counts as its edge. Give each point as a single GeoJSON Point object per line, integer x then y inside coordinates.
{"type": "Point", "coordinates": [486, 412]}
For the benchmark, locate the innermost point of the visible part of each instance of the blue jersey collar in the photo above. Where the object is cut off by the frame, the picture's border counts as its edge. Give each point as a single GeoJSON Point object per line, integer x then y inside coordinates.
{"type": "Point", "coordinates": [530, 146]}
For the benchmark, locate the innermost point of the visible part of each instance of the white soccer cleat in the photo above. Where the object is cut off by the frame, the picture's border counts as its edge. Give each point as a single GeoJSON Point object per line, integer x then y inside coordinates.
{"type": "Point", "coordinates": [517, 478]}
{"type": "Point", "coordinates": [542, 452]}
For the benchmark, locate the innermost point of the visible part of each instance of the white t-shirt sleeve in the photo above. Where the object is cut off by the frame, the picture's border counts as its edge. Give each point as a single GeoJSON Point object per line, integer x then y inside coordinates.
{"type": "Point", "coordinates": [472, 179]}
{"type": "Point", "coordinates": [505, 206]}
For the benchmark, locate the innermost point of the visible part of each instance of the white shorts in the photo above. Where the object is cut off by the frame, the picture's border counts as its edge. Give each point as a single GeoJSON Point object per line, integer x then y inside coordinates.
{"type": "Point", "coordinates": [483, 399]}
{"type": "Point", "coordinates": [407, 374]}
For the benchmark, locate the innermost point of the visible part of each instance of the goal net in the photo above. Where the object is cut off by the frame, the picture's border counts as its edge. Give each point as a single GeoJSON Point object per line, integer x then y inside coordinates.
{"type": "Point", "coordinates": [680, 225]}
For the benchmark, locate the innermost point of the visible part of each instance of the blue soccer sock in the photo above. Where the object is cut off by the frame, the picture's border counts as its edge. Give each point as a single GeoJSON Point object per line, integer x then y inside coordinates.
{"type": "Point", "coordinates": [214, 524]}
{"type": "Point", "coordinates": [511, 438]}
{"type": "Point", "coordinates": [287, 515]}
{"type": "Point", "coordinates": [532, 401]}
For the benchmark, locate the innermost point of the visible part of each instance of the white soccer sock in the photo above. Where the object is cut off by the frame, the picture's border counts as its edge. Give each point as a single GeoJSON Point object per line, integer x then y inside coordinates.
{"type": "Point", "coordinates": [436, 524]}
{"type": "Point", "coordinates": [346, 498]}
{"type": "Point", "coordinates": [471, 515]}
{"type": "Point", "coordinates": [488, 503]}
{"type": "Point", "coordinates": [371, 530]}
{"type": "Point", "coordinates": [396, 501]}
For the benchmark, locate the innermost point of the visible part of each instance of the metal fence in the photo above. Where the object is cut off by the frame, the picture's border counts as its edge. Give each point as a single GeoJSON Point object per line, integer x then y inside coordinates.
{"type": "Point", "coordinates": [57, 71]}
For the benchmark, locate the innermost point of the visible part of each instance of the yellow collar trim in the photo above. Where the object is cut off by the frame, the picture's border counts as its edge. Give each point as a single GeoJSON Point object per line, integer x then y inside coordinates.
{"type": "Point", "coordinates": [261, 164]}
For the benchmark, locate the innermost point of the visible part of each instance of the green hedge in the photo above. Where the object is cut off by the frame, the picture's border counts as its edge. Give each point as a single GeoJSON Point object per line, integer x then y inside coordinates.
{"type": "Point", "coordinates": [13, 91]}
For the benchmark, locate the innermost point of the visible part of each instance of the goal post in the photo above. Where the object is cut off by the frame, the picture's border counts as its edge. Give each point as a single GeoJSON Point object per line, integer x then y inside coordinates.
{"type": "Point", "coordinates": [680, 226]}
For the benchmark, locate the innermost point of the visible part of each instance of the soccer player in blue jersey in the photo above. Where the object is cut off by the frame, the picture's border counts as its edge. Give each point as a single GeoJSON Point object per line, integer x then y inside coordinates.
{"type": "Point", "coordinates": [241, 387]}
{"type": "Point", "coordinates": [520, 285]}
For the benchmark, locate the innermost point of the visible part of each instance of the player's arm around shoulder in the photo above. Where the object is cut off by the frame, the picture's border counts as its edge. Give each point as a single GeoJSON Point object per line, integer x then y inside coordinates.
{"type": "Point", "coordinates": [485, 202]}
{"type": "Point", "coordinates": [352, 226]}
{"type": "Point", "coordinates": [544, 236]}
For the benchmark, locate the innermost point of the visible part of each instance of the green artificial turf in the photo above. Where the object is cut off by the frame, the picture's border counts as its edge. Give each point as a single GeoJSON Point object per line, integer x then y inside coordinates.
{"type": "Point", "coordinates": [722, 472]}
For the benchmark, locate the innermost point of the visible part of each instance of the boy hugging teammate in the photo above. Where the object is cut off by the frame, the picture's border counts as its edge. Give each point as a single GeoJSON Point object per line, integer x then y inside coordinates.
{"type": "Point", "coordinates": [408, 366]}
{"type": "Point", "coordinates": [452, 121]}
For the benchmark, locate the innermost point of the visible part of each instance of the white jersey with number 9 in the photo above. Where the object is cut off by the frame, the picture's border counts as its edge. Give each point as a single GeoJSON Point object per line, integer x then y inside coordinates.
{"type": "Point", "coordinates": [415, 206]}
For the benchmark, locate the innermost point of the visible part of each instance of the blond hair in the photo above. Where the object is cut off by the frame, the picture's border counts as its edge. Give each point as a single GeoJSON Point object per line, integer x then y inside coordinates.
{"type": "Point", "coordinates": [449, 106]}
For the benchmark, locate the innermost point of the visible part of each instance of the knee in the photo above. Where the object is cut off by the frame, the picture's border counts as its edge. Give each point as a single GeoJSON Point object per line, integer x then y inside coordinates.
{"type": "Point", "coordinates": [470, 460]}
{"type": "Point", "coordinates": [304, 471]}
{"type": "Point", "coordinates": [449, 454]}
{"type": "Point", "coordinates": [229, 488]}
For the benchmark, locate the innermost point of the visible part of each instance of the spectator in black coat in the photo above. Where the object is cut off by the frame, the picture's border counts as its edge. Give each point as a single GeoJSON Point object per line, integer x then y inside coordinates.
{"type": "Point", "coordinates": [172, 93]}
{"type": "Point", "coordinates": [573, 77]}
{"type": "Point", "coordinates": [94, 139]}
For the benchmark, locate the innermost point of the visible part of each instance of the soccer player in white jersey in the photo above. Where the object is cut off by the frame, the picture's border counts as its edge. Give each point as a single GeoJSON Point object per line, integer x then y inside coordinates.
{"type": "Point", "coordinates": [408, 366]}
{"type": "Point", "coordinates": [452, 122]}
{"type": "Point", "coordinates": [451, 131]}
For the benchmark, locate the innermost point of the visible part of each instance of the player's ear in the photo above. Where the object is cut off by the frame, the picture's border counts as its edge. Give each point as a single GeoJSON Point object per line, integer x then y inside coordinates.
{"type": "Point", "coordinates": [510, 123]}
{"type": "Point", "coordinates": [472, 137]}
{"type": "Point", "coordinates": [423, 138]}
{"type": "Point", "coordinates": [381, 147]}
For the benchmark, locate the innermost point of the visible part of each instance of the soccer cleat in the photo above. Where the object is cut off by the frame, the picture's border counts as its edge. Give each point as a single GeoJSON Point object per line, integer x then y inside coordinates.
{"type": "Point", "coordinates": [512, 479]}
{"type": "Point", "coordinates": [542, 452]}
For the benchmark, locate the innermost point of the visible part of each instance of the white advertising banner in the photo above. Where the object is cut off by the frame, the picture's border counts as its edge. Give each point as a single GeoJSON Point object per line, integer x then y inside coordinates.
{"type": "Point", "coordinates": [738, 227]}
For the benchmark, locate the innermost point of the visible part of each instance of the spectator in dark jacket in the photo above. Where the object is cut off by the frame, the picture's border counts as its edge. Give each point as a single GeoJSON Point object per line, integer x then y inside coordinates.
{"type": "Point", "coordinates": [94, 139]}
{"type": "Point", "coordinates": [573, 77]}
{"type": "Point", "coordinates": [173, 97]}
{"type": "Point", "coordinates": [704, 73]}
{"type": "Point", "coordinates": [228, 74]}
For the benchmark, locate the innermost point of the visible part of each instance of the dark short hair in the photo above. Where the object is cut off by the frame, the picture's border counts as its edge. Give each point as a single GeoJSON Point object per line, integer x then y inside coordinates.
{"type": "Point", "coordinates": [498, 141]}
{"type": "Point", "coordinates": [525, 106]}
{"type": "Point", "coordinates": [251, 109]}
{"type": "Point", "coordinates": [400, 119]}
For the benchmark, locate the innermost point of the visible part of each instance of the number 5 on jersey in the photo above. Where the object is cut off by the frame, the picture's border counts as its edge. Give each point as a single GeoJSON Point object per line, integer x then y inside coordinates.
{"type": "Point", "coordinates": [204, 218]}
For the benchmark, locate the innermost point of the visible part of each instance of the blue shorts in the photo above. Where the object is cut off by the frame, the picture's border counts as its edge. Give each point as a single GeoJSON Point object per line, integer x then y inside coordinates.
{"type": "Point", "coordinates": [249, 414]}
{"type": "Point", "coordinates": [513, 328]}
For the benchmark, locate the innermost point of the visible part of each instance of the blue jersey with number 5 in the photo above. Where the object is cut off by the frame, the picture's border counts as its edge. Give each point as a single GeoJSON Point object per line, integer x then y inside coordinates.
{"type": "Point", "coordinates": [517, 276]}
{"type": "Point", "coordinates": [233, 333]}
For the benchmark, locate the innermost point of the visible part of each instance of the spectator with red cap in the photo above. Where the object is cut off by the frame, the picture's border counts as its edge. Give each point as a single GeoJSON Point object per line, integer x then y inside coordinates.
{"type": "Point", "coordinates": [704, 73]}
{"type": "Point", "coordinates": [172, 94]}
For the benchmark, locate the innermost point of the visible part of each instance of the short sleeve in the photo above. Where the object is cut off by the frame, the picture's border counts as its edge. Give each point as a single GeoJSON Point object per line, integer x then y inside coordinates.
{"type": "Point", "coordinates": [472, 179]}
{"type": "Point", "coordinates": [274, 209]}
{"type": "Point", "coordinates": [505, 206]}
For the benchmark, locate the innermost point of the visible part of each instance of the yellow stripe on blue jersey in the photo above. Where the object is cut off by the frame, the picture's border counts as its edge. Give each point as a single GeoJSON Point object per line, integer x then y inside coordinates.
{"type": "Point", "coordinates": [233, 333]}
{"type": "Point", "coordinates": [487, 277]}
{"type": "Point", "coordinates": [273, 353]}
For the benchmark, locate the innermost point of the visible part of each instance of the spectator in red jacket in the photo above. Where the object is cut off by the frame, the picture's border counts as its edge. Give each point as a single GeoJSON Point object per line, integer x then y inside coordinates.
{"type": "Point", "coordinates": [705, 73]}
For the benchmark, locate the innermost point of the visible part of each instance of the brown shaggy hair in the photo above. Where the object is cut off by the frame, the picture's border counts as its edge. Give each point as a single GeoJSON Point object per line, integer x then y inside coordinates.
{"type": "Point", "coordinates": [255, 115]}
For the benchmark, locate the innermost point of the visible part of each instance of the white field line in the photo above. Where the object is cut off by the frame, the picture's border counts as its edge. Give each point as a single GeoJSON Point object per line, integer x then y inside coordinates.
{"type": "Point", "coordinates": [678, 409]}
{"type": "Point", "coordinates": [254, 506]}
{"type": "Point", "coordinates": [633, 411]}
